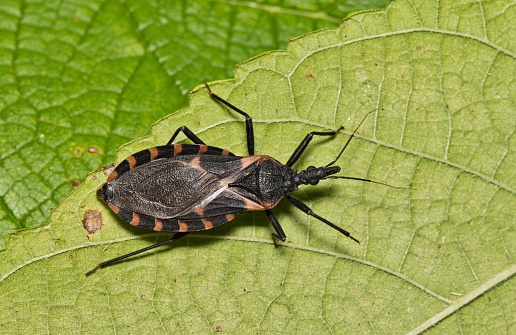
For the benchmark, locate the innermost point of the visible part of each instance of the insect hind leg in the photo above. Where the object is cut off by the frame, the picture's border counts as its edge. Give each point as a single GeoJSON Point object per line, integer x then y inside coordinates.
{"type": "Point", "coordinates": [174, 238]}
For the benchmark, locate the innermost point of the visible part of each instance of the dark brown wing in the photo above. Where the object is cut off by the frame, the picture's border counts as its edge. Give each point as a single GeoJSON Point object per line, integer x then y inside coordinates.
{"type": "Point", "coordinates": [225, 207]}
{"type": "Point", "coordinates": [184, 193]}
{"type": "Point", "coordinates": [167, 188]}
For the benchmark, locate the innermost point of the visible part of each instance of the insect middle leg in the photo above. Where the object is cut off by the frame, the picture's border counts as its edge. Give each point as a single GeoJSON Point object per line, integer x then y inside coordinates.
{"type": "Point", "coordinates": [248, 120]}
{"type": "Point", "coordinates": [280, 234]}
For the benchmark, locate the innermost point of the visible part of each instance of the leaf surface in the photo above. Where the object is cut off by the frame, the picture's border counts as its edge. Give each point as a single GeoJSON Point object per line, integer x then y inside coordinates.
{"type": "Point", "coordinates": [437, 255]}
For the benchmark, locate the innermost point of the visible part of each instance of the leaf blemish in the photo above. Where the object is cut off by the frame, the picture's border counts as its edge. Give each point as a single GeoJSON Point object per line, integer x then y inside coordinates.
{"type": "Point", "coordinates": [92, 221]}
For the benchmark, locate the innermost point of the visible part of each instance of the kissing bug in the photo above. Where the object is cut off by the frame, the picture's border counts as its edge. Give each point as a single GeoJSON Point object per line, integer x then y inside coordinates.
{"type": "Point", "coordinates": [182, 188]}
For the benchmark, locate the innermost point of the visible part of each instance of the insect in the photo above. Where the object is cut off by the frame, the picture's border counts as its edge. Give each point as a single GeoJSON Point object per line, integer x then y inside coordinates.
{"type": "Point", "coordinates": [183, 188]}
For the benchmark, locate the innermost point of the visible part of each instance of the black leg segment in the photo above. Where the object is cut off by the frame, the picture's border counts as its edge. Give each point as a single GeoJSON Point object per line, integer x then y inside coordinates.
{"type": "Point", "coordinates": [308, 138]}
{"type": "Point", "coordinates": [174, 238]}
{"type": "Point", "coordinates": [299, 204]}
{"type": "Point", "coordinates": [248, 121]}
{"type": "Point", "coordinates": [280, 234]}
{"type": "Point", "coordinates": [188, 133]}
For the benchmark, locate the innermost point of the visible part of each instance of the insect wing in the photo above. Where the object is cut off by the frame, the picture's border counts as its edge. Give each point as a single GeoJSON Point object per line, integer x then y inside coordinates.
{"type": "Point", "coordinates": [169, 188]}
{"type": "Point", "coordinates": [223, 208]}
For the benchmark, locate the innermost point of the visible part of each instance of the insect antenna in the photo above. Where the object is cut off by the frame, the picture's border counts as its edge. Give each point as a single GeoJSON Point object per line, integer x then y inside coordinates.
{"type": "Point", "coordinates": [369, 181]}
{"type": "Point", "coordinates": [344, 148]}
{"type": "Point", "coordinates": [350, 138]}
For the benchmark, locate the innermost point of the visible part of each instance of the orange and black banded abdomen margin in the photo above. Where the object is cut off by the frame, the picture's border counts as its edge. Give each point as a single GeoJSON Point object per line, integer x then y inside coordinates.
{"type": "Point", "coordinates": [164, 151]}
{"type": "Point", "coordinates": [172, 224]}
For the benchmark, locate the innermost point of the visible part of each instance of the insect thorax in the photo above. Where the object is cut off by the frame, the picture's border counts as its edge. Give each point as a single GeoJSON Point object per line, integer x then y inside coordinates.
{"type": "Point", "coordinates": [270, 181]}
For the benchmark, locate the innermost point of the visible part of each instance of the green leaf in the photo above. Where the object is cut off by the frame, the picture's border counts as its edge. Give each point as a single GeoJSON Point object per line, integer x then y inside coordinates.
{"type": "Point", "coordinates": [438, 255]}
{"type": "Point", "coordinates": [80, 78]}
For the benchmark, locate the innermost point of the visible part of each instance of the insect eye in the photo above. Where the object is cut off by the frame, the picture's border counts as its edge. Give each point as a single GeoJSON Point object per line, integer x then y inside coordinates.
{"type": "Point", "coordinates": [109, 191]}
{"type": "Point", "coordinates": [106, 192]}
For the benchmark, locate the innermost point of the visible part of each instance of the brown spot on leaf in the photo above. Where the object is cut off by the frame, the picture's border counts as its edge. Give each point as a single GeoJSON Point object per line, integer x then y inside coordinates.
{"type": "Point", "coordinates": [218, 329]}
{"type": "Point", "coordinates": [92, 221]}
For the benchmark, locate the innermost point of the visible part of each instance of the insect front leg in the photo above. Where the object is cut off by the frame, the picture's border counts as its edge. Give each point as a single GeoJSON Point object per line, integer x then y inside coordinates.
{"type": "Point", "coordinates": [307, 210]}
{"type": "Point", "coordinates": [248, 121]}
{"type": "Point", "coordinates": [302, 146]}
{"type": "Point", "coordinates": [188, 133]}
{"type": "Point", "coordinates": [308, 138]}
